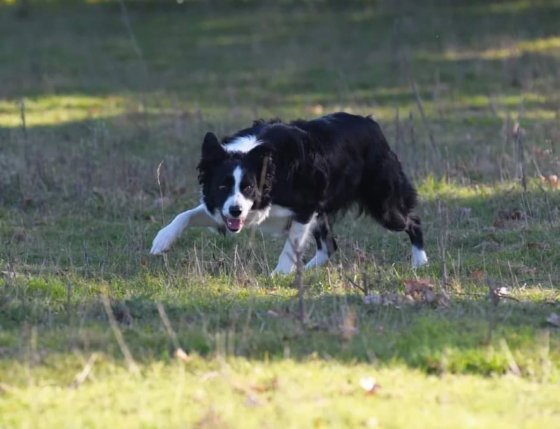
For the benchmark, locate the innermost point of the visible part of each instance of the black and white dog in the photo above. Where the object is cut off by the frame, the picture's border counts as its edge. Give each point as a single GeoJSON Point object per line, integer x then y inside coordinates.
{"type": "Point", "coordinates": [296, 178]}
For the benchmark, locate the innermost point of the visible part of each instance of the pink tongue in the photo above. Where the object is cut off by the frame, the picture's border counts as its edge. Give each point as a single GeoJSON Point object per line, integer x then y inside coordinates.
{"type": "Point", "coordinates": [234, 223]}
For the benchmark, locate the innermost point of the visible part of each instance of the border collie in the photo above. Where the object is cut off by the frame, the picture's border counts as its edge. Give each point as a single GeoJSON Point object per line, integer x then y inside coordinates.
{"type": "Point", "coordinates": [297, 178]}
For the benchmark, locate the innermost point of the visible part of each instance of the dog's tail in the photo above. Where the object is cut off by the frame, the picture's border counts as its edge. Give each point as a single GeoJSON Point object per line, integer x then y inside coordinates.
{"type": "Point", "coordinates": [386, 194]}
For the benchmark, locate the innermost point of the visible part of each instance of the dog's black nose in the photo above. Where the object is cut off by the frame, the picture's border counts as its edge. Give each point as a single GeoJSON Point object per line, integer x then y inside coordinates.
{"type": "Point", "coordinates": [235, 211]}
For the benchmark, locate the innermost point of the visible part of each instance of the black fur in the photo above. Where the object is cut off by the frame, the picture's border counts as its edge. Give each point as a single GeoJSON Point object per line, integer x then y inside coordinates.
{"type": "Point", "coordinates": [323, 166]}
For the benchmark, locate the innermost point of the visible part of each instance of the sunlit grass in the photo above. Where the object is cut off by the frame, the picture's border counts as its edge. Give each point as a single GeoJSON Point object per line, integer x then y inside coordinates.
{"type": "Point", "coordinates": [514, 6]}
{"type": "Point", "coordinates": [57, 110]}
{"type": "Point", "coordinates": [511, 49]}
{"type": "Point", "coordinates": [237, 393]}
{"type": "Point", "coordinates": [431, 188]}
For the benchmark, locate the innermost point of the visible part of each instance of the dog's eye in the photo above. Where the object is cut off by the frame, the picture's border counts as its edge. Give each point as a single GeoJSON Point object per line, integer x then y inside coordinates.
{"type": "Point", "coordinates": [222, 188]}
{"type": "Point", "coordinates": [247, 189]}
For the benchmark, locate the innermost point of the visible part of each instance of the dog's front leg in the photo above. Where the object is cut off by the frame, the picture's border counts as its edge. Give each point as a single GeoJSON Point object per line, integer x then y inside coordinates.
{"type": "Point", "coordinates": [167, 236]}
{"type": "Point", "coordinates": [297, 239]}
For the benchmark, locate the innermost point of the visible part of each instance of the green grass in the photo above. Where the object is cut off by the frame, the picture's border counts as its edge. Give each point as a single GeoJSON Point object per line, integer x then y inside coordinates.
{"type": "Point", "coordinates": [79, 206]}
{"type": "Point", "coordinates": [241, 393]}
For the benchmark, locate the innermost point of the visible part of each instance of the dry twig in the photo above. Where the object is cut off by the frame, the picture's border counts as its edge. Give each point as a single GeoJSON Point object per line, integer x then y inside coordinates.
{"type": "Point", "coordinates": [84, 374]}
{"type": "Point", "coordinates": [132, 366]}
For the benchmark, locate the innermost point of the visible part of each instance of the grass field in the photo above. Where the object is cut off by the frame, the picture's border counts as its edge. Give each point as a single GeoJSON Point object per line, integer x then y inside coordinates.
{"type": "Point", "coordinates": [94, 96]}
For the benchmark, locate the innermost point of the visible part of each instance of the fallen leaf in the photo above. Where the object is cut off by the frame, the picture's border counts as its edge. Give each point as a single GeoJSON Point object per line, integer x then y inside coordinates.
{"type": "Point", "coordinates": [416, 291]}
{"type": "Point", "coordinates": [550, 180]}
{"type": "Point", "coordinates": [541, 152]}
{"type": "Point", "coordinates": [477, 274]}
{"type": "Point", "coordinates": [499, 223]}
{"type": "Point", "coordinates": [412, 287]}
{"type": "Point", "coordinates": [395, 299]}
{"type": "Point", "coordinates": [266, 387]}
{"type": "Point", "coordinates": [537, 245]}
{"type": "Point", "coordinates": [181, 355]}
{"type": "Point", "coordinates": [420, 290]}
{"type": "Point", "coordinates": [505, 217]}
{"type": "Point", "coordinates": [369, 385]}
{"type": "Point", "coordinates": [503, 291]}
{"type": "Point", "coordinates": [554, 320]}
{"type": "Point", "coordinates": [317, 109]}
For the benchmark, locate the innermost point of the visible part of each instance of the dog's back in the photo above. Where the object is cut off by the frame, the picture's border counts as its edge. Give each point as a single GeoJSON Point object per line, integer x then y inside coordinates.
{"type": "Point", "coordinates": [338, 160]}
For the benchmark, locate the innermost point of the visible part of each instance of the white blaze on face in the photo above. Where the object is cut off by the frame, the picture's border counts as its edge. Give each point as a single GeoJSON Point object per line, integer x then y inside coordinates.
{"type": "Point", "coordinates": [236, 199]}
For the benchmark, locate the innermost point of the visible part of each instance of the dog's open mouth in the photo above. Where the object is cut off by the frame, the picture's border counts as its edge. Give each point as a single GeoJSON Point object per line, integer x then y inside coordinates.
{"type": "Point", "coordinates": [234, 225]}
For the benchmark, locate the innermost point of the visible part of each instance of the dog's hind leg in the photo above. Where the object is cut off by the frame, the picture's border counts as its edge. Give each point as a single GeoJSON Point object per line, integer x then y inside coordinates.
{"type": "Point", "coordinates": [167, 236]}
{"type": "Point", "coordinates": [388, 196]}
{"type": "Point", "coordinates": [297, 239]}
{"type": "Point", "coordinates": [326, 244]}
{"type": "Point", "coordinates": [396, 220]}
{"type": "Point", "coordinates": [414, 231]}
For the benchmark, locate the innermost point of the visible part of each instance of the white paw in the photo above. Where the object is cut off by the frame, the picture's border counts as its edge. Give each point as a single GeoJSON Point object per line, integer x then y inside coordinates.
{"type": "Point", "coordinates": [419, 257]}
{"type": "Point", "coordinates": [320, 258]}
{"type": "Point", "coordinates": [164, 240]}
{"type": "Point", "coordinates": [284, 268]}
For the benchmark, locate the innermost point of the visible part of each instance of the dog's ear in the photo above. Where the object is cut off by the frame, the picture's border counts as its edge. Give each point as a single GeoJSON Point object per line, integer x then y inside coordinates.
{"type": "Point", "coordinates": [212, 153]}
{"type": "Point", "coordinates": [211, 148]}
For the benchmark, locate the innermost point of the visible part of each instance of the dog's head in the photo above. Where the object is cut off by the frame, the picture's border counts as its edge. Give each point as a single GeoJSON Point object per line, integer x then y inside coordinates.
{"type": "Point", "coordinates": [233, 183]}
